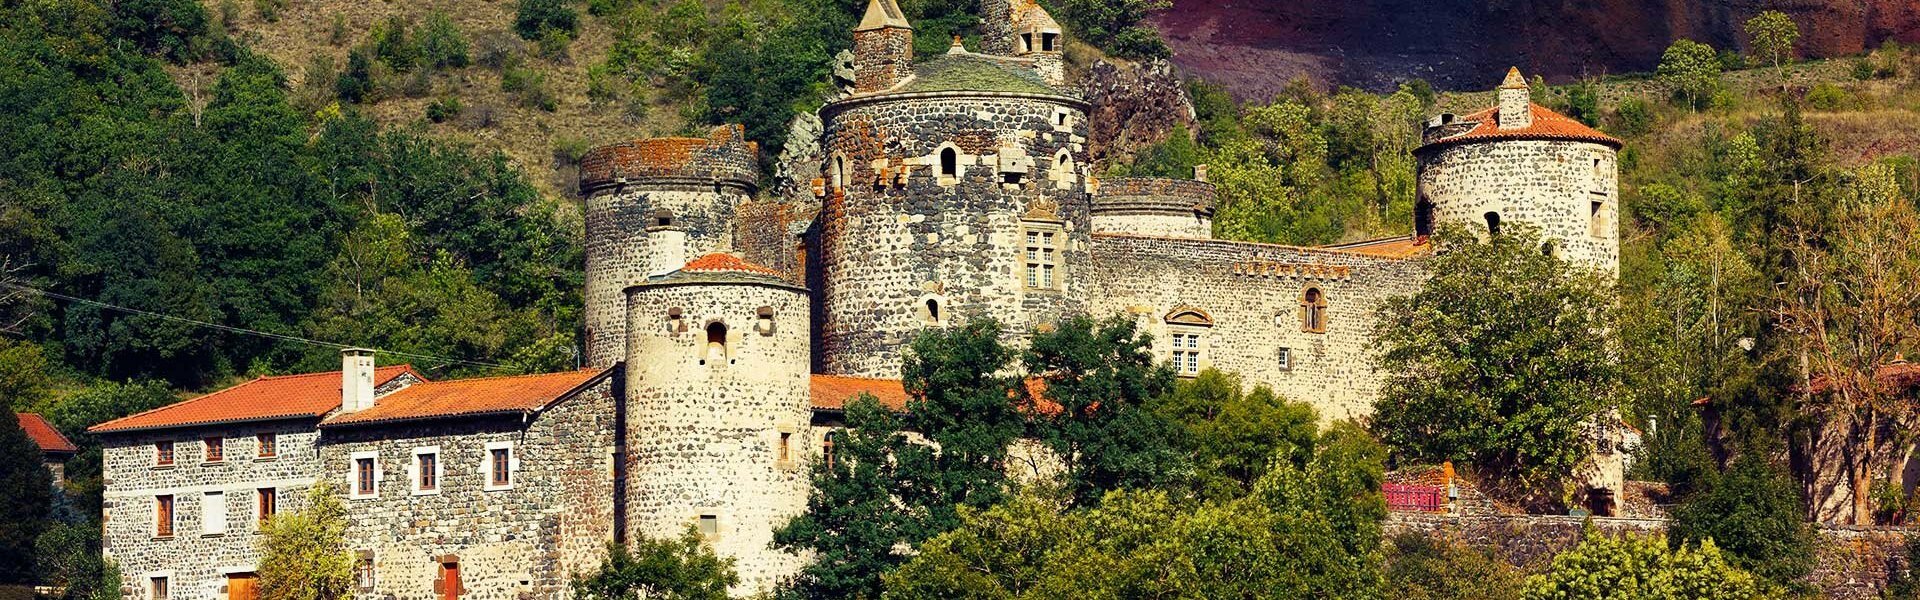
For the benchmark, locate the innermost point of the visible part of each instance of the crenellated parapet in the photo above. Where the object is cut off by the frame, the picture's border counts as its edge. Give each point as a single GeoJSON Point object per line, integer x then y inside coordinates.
{"type": "Point", "coordinates": [723, 157]}
{"type": "Point", "coordinates": [1157, 206]}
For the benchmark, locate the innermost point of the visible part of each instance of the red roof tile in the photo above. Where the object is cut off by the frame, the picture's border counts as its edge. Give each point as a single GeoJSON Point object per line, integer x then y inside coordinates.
{"type": "Point", "coordinates": [1897, 375]}
{"type": "Point", "coordinates": [264, 399]}
{"type": "Point", "coordinates": [469, 397]}
{"type": "Point", "coordinates": [1547, 125]}
{"type": "Point", "coordinates": [719, 262]}
{"type": "Point", "coordinates": [831, 392]}
{"type": "Point", "coordinates": [1394, 247]}
{"type": "Point", "coordinates": [44, 435]}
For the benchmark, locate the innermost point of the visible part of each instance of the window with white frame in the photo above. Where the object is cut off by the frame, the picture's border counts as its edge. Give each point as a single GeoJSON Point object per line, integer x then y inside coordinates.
{"type": "Point", "coordinates": [499, 466]}
{"type": "Point", "coordinates": [1186, 353]}
{"type": "Point", "coordinates": [213, 513]}
{"type": "Point", "coordinates": [425, 470]}
{"type": "Point", "coordinates": [1284, 360]}
{"type": "Point", "coordinates": [363, 475]}
{"type": "Point", "coordinates": [1042, 254]}
{"type": "Point", "coordinates": [1187, 328]}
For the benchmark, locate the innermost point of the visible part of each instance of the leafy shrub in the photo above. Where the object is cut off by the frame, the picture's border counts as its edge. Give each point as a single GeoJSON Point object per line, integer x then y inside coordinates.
{"type": "Point", "coordinates": [445, 108]}
{"type": "Point", "coordinates": [1633, 117]}
{"type": "Point", "coordinates": [338, 34]}
{"type": "Point", "coordinates": [416, 84]}
{"type": "Point", "coordinates": [1642, 567]}
{"type": "Point", "coordinates": [1753, 512]}
{"type": "Point", "coordinates": [390, 44]}
{"type": "Point", "coordinates": [318, 86]}
{"type": "Point", "coordinates": [1423, 568]}
{"type": "Point", "coordinates": [1583, 102]}
{"type": "Point", "coordinates": [529, 86]}
{"type": "Point", "coordinates": [1827, 96]}
{"type": "Point", "coordinates": [497, 50]}
{"type": "Point", "coordinates": [442, 46]}
{"type": "Point", "coordinates": [480, 117]}
{"type": "Point", "coordinates": [552, 45]}
{"type": "Point", "coordinates": [1861, 69]}
{"type": "Point", "coordinates": [534, 17]}
{"type": "Point", "coordinates": [230, 14]}
{"type": "Point", "coordinates": [166, 28]}
{"type": "Point", "coordinates": [269, 10]}
{"type": "Point", "coordinates": [356, 84]}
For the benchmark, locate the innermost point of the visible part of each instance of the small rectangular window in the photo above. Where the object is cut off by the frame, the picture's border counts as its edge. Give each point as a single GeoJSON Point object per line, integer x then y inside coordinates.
{"type": "Point", "coordinates": [216, 449]}
{"type": "Point", "coordinates": [163, 516]}
{"type": "Point", "coordinates": [363, 476]}
{"type": "Point", "coordinates": [427, 465]}
{"type": "Point", "coordinates": [1285, 360]}
{"type": "Point", "coordinates": [363, 571]}
{"type": "Point", "coordinates": [502, 466]}
{"type": "Point", "coordinates": [158, 586]}
{"type": "Point", "coordinates": [1594, 226]}
{"type": "Point", "coordinates": [213, 513]}
{"type": "Point", "coordinates": [163, 454]}
{"type": "Point", "coordinates": [709, 524]}
{"type": "Point", "coordinates": [268, 445]}
{"type": "Point", "coordinates": [786, 446]}
{"type": "Point", "coordinates": [267, 502]}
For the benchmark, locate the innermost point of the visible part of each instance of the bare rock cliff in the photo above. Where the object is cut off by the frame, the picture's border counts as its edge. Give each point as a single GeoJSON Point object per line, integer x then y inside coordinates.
{"type": "Point", "coordinates": [1134, 106]}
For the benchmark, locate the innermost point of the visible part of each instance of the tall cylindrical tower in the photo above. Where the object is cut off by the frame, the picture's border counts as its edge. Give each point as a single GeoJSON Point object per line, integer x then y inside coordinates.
{"type": "Point", "coordinates": [651, 204]}
{"type": "Point", "coordinates": [719, 410]}
{"type": "Point", "coordinates": [1520, 162]}
{"type": "Point", "coordinates": [960, 192]}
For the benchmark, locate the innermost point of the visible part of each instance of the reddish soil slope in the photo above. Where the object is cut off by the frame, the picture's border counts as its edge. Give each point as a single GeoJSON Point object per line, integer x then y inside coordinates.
{"type": "Point", "coordinates": [1256, 46]}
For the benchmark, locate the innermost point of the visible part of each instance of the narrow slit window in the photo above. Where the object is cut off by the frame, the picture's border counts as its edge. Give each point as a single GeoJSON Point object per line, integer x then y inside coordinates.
{"type": "Point", "coordinates": [1285, 359]}
{"type": "Point", "coordinates": [786, 446]}
{"type": "Point", "coordinates": [1594, 212]}
{"type": "Point", "coordinates": [933, 310]}
{"type": "Point", "coordinates": [428, 466]}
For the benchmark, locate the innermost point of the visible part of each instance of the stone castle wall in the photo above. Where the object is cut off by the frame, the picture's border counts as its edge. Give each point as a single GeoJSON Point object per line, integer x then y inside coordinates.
{"type": "Point", "coordinates": [1154, 206]}
{"type": "Point", "coordinates": [1553, 185]}
{"type": "Point", "coordinates": [899, 234]}
{"type": "Point", "coordinates": [665, 186]}
{"type": "Point", "coordinates": [1253, 294]}
{"type": "Point", "coordinates": [770, 233]}
{"type": "Point", "coordinates": [522, 542]}
{"type": "Point", "coordinates": [196, 565]}
{"type": "Point", "coordinates": [881, 58]}
{"type": "Point", "coordinates": [707, 425]}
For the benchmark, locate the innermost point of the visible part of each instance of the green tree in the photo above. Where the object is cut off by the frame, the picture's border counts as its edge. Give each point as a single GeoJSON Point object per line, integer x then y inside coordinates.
{"type": "Point", "coordinates": [26, 499]}
{"type": "Point", "coordinates": [303, 554]}
{"type": "Point", "coordinates": [1642, 568]}
{"type": "Point", "coordinates": [1690, 70]}
{"type": "Point", "coordinates": [532, 18]}
{"type": "Point", "coordinates": [1498, 360]}
{"type": "Point", "coordinates": [24, 382]}
{"type": "Point", "coordinates": [1770, 37]}
{"type": "Point", "coordinates": [1754, 514]}
{"type": "Point", "coordinates": [70, 560]}
{"type": "Point", "coordinates": [442, 46]}
{"type": "Point", "coordinates": [356, 83]}
{"type": "Point", "coordinates": [1422, 567]}
{"type": "Point", "coordinates": [1233, 435]}
{"type": "Point", "coordinates": [853, 519]}
{"type": "Point", "coordinates": [676, 569]}
{"type": "Point", "coordinates": [1096, 379]}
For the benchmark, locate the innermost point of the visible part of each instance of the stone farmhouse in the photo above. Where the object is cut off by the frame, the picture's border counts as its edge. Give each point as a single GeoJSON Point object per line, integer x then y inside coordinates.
{"type": "Point", "coordinates": [725, 331]}
{"type": "Point", "coordinates": [55, 449]}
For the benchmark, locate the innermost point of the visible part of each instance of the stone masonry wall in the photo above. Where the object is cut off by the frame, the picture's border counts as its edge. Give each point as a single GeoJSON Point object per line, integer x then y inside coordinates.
{"type": "Point", "coordinates": [522, 542]}
{"type": "Point", "coordinates": [899, 234]}
{"type": "Point", "coordinates": [618, 253]}
{"type": "Point", "coordinates": [881, 58]}
{"type": "Point", "coordinates": [196, 565]}
{"type": "Point", "coordinates": [1154, 206]}
{"type": "Point", "coordinates": [1553, 185]}
{"type": "Point", "coordinates": [769, 233]}
{"type": "Point", "coordinates": [705, 425]}
{"type": "Point", "coordinates": [1253, 294]}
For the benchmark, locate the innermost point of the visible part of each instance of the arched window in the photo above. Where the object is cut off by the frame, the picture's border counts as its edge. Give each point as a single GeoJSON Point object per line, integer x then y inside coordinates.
{"type": "Point", "coordinates": [949, 163]}
{"type": "Point", "coordinates": [1313, 311]}
{"type": "Point", "coordinates": [1493, 223]}
{"type": "Point", "coordinates": [716, 343]}
{"type": "Point", "coordinates": [839, 172]}
{"type": "Point", "coordinates": [1423, 217]}
{"type": "Point", "coordinates": [933, 310]}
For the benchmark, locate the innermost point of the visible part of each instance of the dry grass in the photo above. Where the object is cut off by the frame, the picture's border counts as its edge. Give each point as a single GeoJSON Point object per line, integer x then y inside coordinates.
{"type": "Point", "coordinates": [526, 135]}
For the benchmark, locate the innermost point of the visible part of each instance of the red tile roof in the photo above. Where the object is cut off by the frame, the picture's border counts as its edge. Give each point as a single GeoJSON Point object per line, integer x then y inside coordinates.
{"type": "Point", "coordinates": [1897, 375]}
{"type": "Point", "coordinates": [264, 399]}
{"type": "Point", "coordinates": [719, 262]}
{"type": "Point", "coordinates": [1394, 247]}
{"type": "Point", "coordinates": [1547, 125]}
{"type": "Point", "coordinates": [831, 392]}
{"type": "Point", "coordinates": [471, 397]}
{"type": "Point", "coordinates": [45, 436]}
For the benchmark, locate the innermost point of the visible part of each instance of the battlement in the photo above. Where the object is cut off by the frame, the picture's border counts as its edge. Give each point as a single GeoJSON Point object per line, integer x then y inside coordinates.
{"type": "Point", "coordinates": [1134, 195]}
{"type": "Point", "coordinates": [725, 155]}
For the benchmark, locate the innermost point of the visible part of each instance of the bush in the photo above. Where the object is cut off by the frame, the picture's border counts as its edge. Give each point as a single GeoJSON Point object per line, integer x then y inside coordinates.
{"type": "Point", "coordinates": [167, 28]}
{"type": "Point", "coordinates": [1642, 567]}
{"type": "Point", "coordinates": [552, 45]}
{"type": "Point", "coordinates": [1633, 117]}
{"type": "Point", "coordinates": [1117, 26]}
{"type": "Point", "coordinates": [1583, 102]}
{"type": "Point", "coordinates": [230, 14]}
{"type": "Point", "coordinates": [356, 84]}
{"type": "Point", "coordinates": [1861, 69]}
{"type": "Point", "coordinates": [390, 44]}
{"type": "Point", "coordinates": [338, 35]}
{"type": "Point", "coordinates": [1423, 568]}
{"type": "Point", "coordinates": [445, 108]}
{"type": "Point", "coordinates": [442, 46]}
{"type": "Point", "coordinates": [1827, 96]}
{"type": "Point", "coordinates": [417, 84]}
{"type": "Point", "coordinates": [1753, 513]}
{"type": "Point", "coordinates": [530, 88]}
{"type": "Point", "coordinates": [269, 10]}
{"type": "Point", "coordinates": [497, 50]}
{"type": "Point", "coordinates": [534, 17]}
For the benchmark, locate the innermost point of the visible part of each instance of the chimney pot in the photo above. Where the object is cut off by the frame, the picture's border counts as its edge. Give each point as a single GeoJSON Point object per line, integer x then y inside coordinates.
{"type": "Point", "coordinates": [356, 379]}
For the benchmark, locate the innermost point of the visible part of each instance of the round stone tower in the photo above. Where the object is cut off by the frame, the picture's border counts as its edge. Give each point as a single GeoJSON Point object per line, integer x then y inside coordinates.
{"type": "Point", "coordinates": [1520, 162]}
{"type": "Point", "coordinates": [1154, 206]}
{"type": "Point", "coordinates": [651, 204]}
{"type": "Point", "coordinates": [956, 191]}
{"type": "Point", "coordinates": [718, 407]}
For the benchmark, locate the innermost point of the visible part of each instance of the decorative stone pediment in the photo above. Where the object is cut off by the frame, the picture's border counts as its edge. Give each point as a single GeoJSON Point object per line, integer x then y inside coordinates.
{"type": "Point", "coordinates": [1043, 209]}
{"type": "Point", "coordinates": [1189, 315]}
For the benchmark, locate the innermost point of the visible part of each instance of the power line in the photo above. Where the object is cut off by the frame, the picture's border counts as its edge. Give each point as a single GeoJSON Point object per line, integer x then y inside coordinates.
{"type": "Point", "coordinates": [242, 330]}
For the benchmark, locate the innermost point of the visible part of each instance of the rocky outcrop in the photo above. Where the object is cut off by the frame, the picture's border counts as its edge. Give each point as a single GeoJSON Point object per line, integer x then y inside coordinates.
{"type": "Point", "coordinates": [1256, 47]}
{"type": "Point", "coordinates": [1134, 106]}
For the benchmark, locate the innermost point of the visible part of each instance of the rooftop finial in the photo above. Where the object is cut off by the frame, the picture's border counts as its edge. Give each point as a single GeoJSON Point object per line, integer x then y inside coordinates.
{"type": "Point", "coordinates": [957, 47]}
{"type": "Point", "coordinates": [1514, 80]}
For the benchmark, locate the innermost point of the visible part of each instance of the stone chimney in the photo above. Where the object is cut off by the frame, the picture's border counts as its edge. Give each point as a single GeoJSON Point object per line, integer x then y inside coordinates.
{"type": "Point", "coordinates": [882, 47]}
{"type": "Point", "coordinates": [1199, 172]}
{"type": "Point", "coordinates": [1516, 102]}
{"type": "Point", "coordinates": [666, 249]}
{"type": "Point", "coordinates": [356, 379]}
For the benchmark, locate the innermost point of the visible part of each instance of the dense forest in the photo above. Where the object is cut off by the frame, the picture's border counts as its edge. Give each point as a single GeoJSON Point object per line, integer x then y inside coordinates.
{"type": "Point", "coordinates": [192, 194]}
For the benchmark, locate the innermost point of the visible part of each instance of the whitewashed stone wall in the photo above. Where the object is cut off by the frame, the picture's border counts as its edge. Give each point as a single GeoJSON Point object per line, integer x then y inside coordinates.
{"type": "Point", "coordinates": [706, 426]}
{"type": "Point", "coordinates": [196, 565]}
{"type": "Point", "coordinates": [1252, 292]}
{"type": "Point", "coordinates": [898, 234]}
{"type": "Point", "coordinates": [525, 541]}
{"type": "Point", "coordinates": [1553, 185]}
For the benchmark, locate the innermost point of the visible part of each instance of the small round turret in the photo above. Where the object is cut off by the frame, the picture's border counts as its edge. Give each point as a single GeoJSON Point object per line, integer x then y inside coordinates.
{"type": "Point", "coordinates": [719, 409]}
{"type": "Point", "coordinates": [651, 204]}
{"type": "Point", "coordinates": [1154, 206]}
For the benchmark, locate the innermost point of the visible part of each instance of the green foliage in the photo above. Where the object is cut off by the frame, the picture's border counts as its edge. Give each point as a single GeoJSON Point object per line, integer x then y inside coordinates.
{"type": "Point", "coordinates": [1174, 157]}
{"type": "Point", "coordinates": [677, 569]}
{"type": "Point", "coordinates": [24, 381]}
{"type": "Point", "coordinates": [1633, 117]}
{"type": "Point", "coordinates": [442, 45]}
{"type": "Point", "coordinates": [167, 28]}
{"type": "Point", "coordinates": [26, 497]}
{"type": "Point", "coordinates": [1642, 568]}
{"type": "Point", "coordinates": [552, 44]}
{"type": "Point", "coordinates": [1498, 359]}
{"type": "Point", "coordinates": [70, 560]}
{"type": "Point", "coordinates": [337, 32]}
{"type": "Point", "coordinates": [1829, 97]}
{"type": "Point", "coordinates": [1754, 514]}
{"type": "Point", "coordinates": [391, 44]}
{"type": "Point", "coordinates": [853, 519]}
{"type": "Point", "coordinates": [1101, 375]}
{"type": "Point", "coordinates": [445, 108]}
{"type": "Point", "coordinates": [1690, 70]}
{"type": "Point", "coordinates": [269, 10]}
{"type": "Point", "coordinates": [1310, 529]}
{"type": "Point", "coordinates": [1583, 102]}
{"type": "Point", "coordinates": [1233, 435]}
{"type": "Point", "coordinates": [1118, 27]}
{"type": "Point", "coordinates": [529, 87]}
{"type": "Point", "coordinates": [356, 83]}
{"type": "Point", "coordinates": [531, 18]}
{"type": "Point", "coordinates": [303, 554]}
{"type": "Point", "coordinates": [1770, 36]}
{"type": "Point", "coordinates": [1419, 567]}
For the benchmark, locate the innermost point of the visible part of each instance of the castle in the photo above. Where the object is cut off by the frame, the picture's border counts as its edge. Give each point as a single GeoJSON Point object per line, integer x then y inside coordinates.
{"type": "Point", "coordinates": [725, 331]}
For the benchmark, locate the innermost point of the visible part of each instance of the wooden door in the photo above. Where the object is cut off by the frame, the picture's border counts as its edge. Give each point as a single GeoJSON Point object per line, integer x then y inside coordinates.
{"type": "Point", "coordinates": [243, 586]}
{"type": "Point", "coordinates": [450, 581]}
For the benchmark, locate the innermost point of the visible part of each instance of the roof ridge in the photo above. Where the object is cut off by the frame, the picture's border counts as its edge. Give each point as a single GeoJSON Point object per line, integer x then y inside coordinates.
{"type": "Point", "coordinates": [852, 377]}
{"type": "Point", "coordinates": [594, 370]}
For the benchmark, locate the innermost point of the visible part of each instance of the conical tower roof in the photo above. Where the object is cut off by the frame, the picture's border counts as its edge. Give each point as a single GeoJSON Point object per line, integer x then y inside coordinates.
{"type": "Point", "coordinates": [1514, 80]}
{"type": "Point", "coordinates": [882, 14]}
